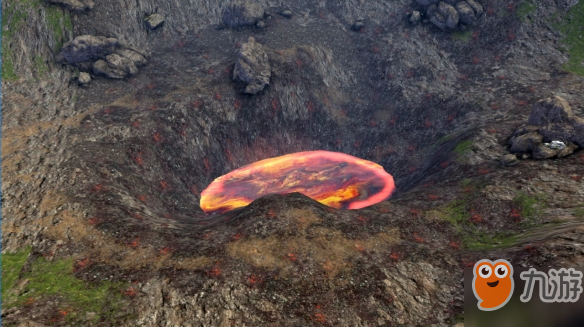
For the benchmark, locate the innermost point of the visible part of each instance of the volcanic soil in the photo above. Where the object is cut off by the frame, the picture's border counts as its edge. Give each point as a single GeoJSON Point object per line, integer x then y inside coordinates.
{"type": "Point", "coordinates": [101, 184]}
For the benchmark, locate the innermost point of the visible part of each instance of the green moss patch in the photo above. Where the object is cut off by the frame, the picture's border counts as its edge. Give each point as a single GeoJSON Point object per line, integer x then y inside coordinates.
{"type": "Point", "coordinates": [462, 36]}
{"type": "Point", "coordinates": [525, 9]}
{"type": "Point", "coordinates": [572, 27]}
{"type": "Point", "coordinates": [55, 279]}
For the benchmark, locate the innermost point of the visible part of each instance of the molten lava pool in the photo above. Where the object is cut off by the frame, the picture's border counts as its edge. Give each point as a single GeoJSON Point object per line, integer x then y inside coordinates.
{"type": "Point", "coordinates": [331, 178]}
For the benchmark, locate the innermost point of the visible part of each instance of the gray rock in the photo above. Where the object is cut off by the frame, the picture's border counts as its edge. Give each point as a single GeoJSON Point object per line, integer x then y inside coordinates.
{"type": "Point", "coordinates": [569, 149]}
{"type": "Point", "coordinates": [449, 13]}
{"type": "Point", "coordinates": [83, 78]}
{"type": "Point", "coordinates": [242, 13]}
{"type": "Point", "coordinates": [88, 48]}
{"type": "Point", "coordinates": [465, 12]}
{"type": "Point", "coordinates": [154, 21]}
{"type": "Point", "coordinates": [137, 58]}
{"type": "Point", "coordinates": [477, 7]}
{"type": "Point", "coordinates": [358, 26]}
{"type": "Point", "coordinates": [526, 142]}
{"type": "Point", "coordinates": [286, 13]}
{"type": "Point", "coordinates": [415, 17]}
{"type": "Point", "coordinates": [436, 17]}
{"type": "Point", "coordinates": [119, 62]}
{"type": "Point", "coordinates": [426, 2]}
{"type": "Point", "coordinates": [30, 323]}
{"type": "Point", "coordinates": [509, 160]}
{"type": "Point", "coordinates": [101, 67]}
{"type": "Point", "coordinates": [543, 152]}
{"type": "Point", "coordinates": [74, 5]}
{"type": "Point", "coordinates": [261, 24]}
{"type": "Point", "coordinates": [550, 110]}
{"type": "Point", "coordinates": [252, 66]}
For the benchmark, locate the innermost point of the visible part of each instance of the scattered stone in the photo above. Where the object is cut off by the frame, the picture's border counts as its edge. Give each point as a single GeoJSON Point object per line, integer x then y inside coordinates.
{"type": "Point", "coordinates": [105, 56]}
{"type": "Point", "coordinates": [88, 48]}
{"type": "Point", "coordinates": [509, 160]}
{"type": "Point", "coordinates": [30, 323]}
{"type": "Point", "coordinates": [83, 78]}
{"type": "Point", "coordinates": [543, 152]}
{"type": "Point", "coordinates": [252, 66]}
{"type": "Point", "coordinates": [358, 26]}
{"type": "Point", "coordinates": [242, 13]}
{"type": "Point", "coordinates": [154, 21]}
{"type": "Point", "coordinates": [261, 24]}
{"type": "Point", "coordinates": [415, 17]}
{"type": "Point", "coordinates": [286, 13]}
{"type": "Point", "coordinates": [74, 5]}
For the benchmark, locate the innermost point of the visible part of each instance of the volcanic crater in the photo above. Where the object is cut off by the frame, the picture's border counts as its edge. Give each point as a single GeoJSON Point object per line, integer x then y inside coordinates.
{"type": "Point", "coordinates": [110, 175]}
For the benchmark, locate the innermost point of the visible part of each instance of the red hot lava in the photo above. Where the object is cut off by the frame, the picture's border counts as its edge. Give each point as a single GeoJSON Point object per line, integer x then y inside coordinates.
{"type": "Point", "coordinates": [331, 178]}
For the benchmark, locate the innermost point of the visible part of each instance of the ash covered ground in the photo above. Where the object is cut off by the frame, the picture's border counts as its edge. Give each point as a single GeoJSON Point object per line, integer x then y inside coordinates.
{"type": "Point", "coordinates": [102, 181]}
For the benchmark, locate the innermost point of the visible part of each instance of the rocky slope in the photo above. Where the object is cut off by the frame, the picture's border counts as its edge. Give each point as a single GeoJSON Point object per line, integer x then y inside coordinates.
{"type": "Point", "coordinates": [104, 178]}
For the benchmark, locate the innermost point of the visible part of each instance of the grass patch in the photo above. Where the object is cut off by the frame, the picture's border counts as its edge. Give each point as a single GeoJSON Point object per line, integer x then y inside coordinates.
{"type": "Point", "coordinates": [525, 9]}
{"type": "Point", "coordinates": [11, 266]}
{"type": "Point", "coordinates": [60, 23]}
{"type": "Point", "coordinates": [572, 27]}
{"type": "Point", "coordinates": [56, 279]}
{"type": "Point", "coordinates": [41, 65]}
{"type": "Point", "coordinates": [463, 147]}
{"type": "Point", "coordinates": [579, 212]}
{"type": "Point", "coordinates": [476, 237]}
{"type": "Point", "coordinates": [462, 36]}
{"type": "Point", "coordinates": [530, 206]}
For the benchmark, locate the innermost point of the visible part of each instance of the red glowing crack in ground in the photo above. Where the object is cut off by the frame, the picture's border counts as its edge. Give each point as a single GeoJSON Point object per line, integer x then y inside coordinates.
{"type": "Point", "coordinates": [331, 178]}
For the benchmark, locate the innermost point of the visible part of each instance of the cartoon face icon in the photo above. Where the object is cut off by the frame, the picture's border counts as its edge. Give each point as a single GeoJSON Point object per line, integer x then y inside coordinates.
{"type": "Point", "coordinates": [492, 283]}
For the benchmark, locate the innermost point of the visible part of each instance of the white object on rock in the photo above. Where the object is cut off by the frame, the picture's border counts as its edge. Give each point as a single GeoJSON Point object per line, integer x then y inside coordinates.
{"type": "Point", "coordinates": [559, 145]}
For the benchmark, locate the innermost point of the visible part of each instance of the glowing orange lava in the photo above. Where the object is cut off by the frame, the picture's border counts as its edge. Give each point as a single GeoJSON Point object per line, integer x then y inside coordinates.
{"type": "Point", "coordinates": [331, 178]}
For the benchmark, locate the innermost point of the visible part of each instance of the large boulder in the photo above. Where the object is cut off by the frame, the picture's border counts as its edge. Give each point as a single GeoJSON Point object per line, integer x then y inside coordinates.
{"type": "Point", "coordinates": [526, 142]}
{"type": "Point", "coordinates": [88, 48]}
{"type": "Point", "coordinates": [465, 12]}
{"type": "Point", "coordinates": [74, 5]}
{"type": "Point", "coordinates": [252, 66]}
{"type": "Point", "coordinates": [550, 110]}
{"type": "Point", "coordinates": [555, 121]}
{"type": "Point", "coordinates": [242, 13]}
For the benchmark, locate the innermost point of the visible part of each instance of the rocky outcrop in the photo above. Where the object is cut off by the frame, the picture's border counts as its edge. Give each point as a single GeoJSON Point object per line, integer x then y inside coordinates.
{"type": "Point", "coordinates": [449, 14]}
{"type": "Point", "coordinates": [74, 5]}
{"type": "Point", "coordinates": [103, 56]}
{"type": "Point", "coordinates": [551, 119]}
{"type": "Point", "coordinates": [252, 66]}
{"type": "Point", "coordinates": [242, 13]}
